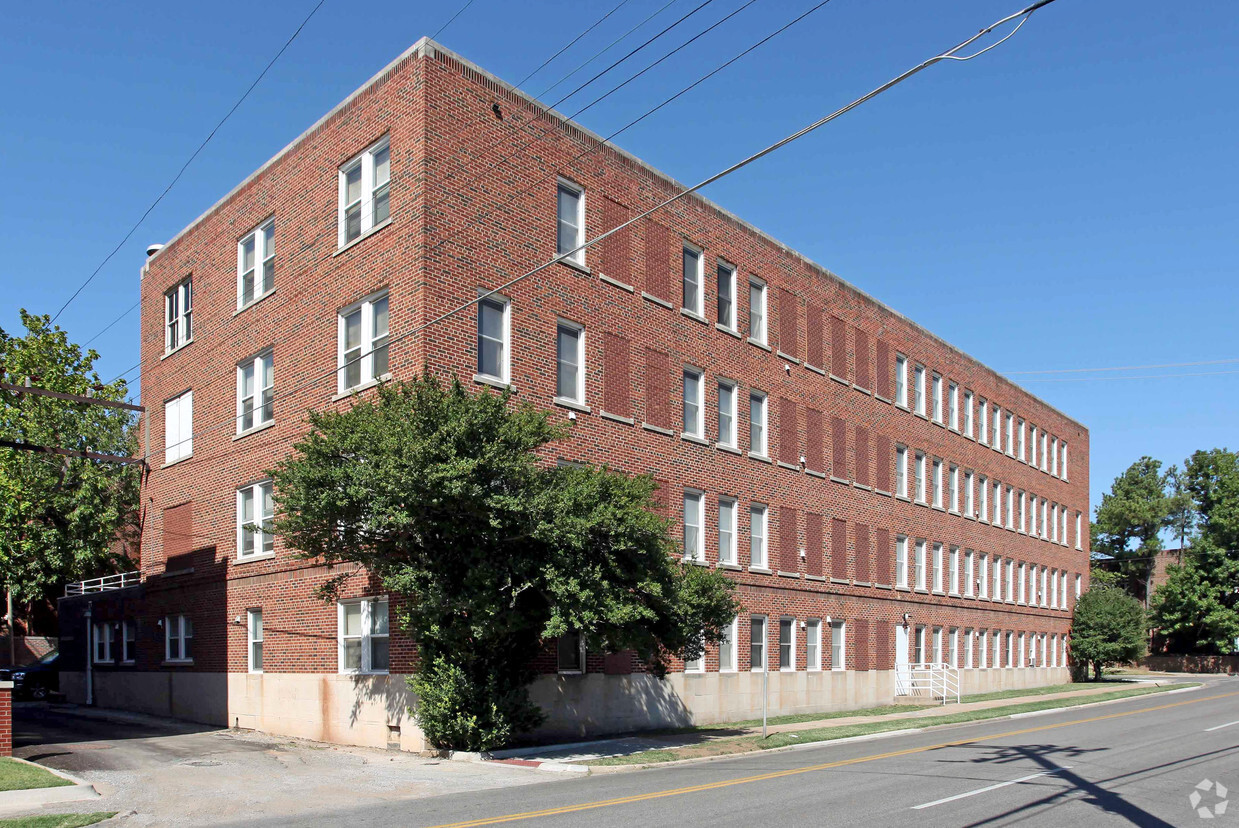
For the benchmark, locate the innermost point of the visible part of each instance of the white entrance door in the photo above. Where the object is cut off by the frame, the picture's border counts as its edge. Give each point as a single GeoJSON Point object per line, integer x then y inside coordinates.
{"type": "Point", "coordinates": [903, 673]}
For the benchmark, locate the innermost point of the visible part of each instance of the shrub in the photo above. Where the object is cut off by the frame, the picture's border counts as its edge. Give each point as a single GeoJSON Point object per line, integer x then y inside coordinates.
{"type": "Point", "coordinates": [455, 710]}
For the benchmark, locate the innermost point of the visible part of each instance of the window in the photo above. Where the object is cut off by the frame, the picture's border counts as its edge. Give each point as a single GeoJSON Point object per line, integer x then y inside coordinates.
{"type": "Point", "coordinates": [953, 647]}
{"type": "Point", "coordinates": [969, 574]}
{"type": "Point", "coordinates": [983, 576]}
{"type": "Point", "coordinates": [996, 418]}
{"type": "Point", "coordinates": [494, 333]}
{"type": "Point", "coordinates": [997, 578]}
{"type": "Point", "coordinates": [255, 510]}
{"type": "Point", "coordinates": [692, 280]}
{"type": "Point", "coordinates": [920, 477]}
{"type": "Point", "coordinates": [254, 639]}
{"type": "Point", "coordinates": [838, 642]}
{"type": "Point", "coordinates": [919, 566]}
{"type": "Point", "coordinates": [1063, 455]}
{"type": "Point", "coordinates": [1011, 653]}
{"type": "Point", "coordinates": [982, 421]}
{"type": "Point", "coordinates": [787, 644]}
{"type": "Point", "coordinates": [1079, 581]}
{"type": "Point", "coordinates": [570, 653]}
{"type": "Point", "coordinates": [984, 648]}
{"type": "Point", "coordinates": [693, 420]}
{"type": "Point", "coordinates": [694, 549]}
{"type": "Point", "coordinates": [997, 503]}
{"type": "Point", "coordinates": [1045, 518]}
{"type": "Point", "coordinates": [757, 643]}
{"type": "Point", "coordinates": [1054, 456]}
{"type": "Point", "coordinates": [1010, 508]}
{"type": "Point", "coordinates": [255, 392]}
{"type": "Point", "coordinates": [967, 413]}
{"type": "Point", "coordinates": [937, 397]}
{"type": "Point", "coordinates": [1044, 451]}
{"type": "Point", "coordinates": [1023, 453]}
{"type": "Point", "coordinates": [727, 296]}
{"type": "Point", "coordinates": [726, 530]}
{"type": "Point", "coordinates": [901, 561]}
{"type": "Point", "coordinates": [953, 487]}
{"type": "Point", "coordinates": [1010, 434]}
{"type": "Point", "coordinates": [757, 536]}
{"type": "Point", "coordinates": [937, 645]}
{"type": "Point", "coordinates": [757, 311]}
{"type": "Point", "coordinates": [938, 574]}
{"type": "Point", "coordinates": [178, 428]}
{"type": "Point", "coordinates": [1010, 581]}
{"type": "Point", "coordinates": [1032, 518]}
{"type": "Point", "coordinates": [1054, 589]}
{"type": "Point", "coordinates": [570, 221]}
{"type": "Point", "coordinates": [983, 511]}
{"type": "Point", "coordinates": [362, 354]}
{"type": "Point", "coordinates": [256, 264]}
{"type": "Point", "coordinates": [1079, 538]}
{"type": "Point", "coordinates": [918, 646]}
{"type": "Point", "coordinates": [1023, 512]}
{"type": "Point", "coordinates": [1045, 587]}
{"type": "Point", "coordinates": [757, 423]}
{"type": "Point", "coordinates": [726, 414]}
{"type": "Point", "coordinates": [364, 195]}
{"type": "Point", "coordinates": [178, 315]}
{"type": "Point", "coordinates": [953, 583]}
{"type": "Point", "coordinates": [1032, 447]}
{"type": "Point", "coordinates": [727, 647]}
{"type": "Point", "coordinates": [570, 362]}
{"type": "Point", "coordinates": [937, 483]}
{"type": "Point", "coordinates": [970, 644]}
{"type": "Point", "coordinates": [918, 388]}
{"type": "Point", "coordinates": [1054, 523]}
{"type": "Point", "coordinates": [952, 406]}
{"type": "Point", "coordinates": [128, 641]}
{"type": "Point", "coordinates": [1022, 596]}
{"type": "Point", "coordinates": [363, 636]}
{"type": "Point", "coordinates": [103, 642]}
{"type": "Point", "coordinates": [901, 471]}
{"type": "Point", "coordinates": [698, 664]}
{"type": "Point", "coordinates": [970, 506]}
{"type": "Point", "coordinates": [178, 638]}
{"type": "Point", "coordinates": [813, 644]}
{"type": "Point", "coordinates": [901, 380]}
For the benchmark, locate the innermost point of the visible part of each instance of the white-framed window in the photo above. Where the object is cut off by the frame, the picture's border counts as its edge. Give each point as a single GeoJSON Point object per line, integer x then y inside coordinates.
{"type": "Point", "coordinates": [937, 645]}
{"type": "Point", "coordinates": [970, 581]}
{"type": "Point", "coordinates": [996, 419]}
{"type": "Point", "coordinates": [1011, 651]}
{"type": "Point", "coordinates": [757, 310]}
{"type": "Point", "coordinates": [178, 305]}
{"type": "Point", "coordinates": [694, 542]}
{"type": "Point", "coordinates": [1022, 597]}
{"type": "Point", "coordinates": [727, 530]}
{"type": "Point", "coordinates": [919, 565]}
{"type": "Point", "coordinates": [256, 264]}
{"type": "Point", "coordinates": [938, 572]}
{"type": "Point", "coordinates": [727, 647]}
{"type": "Point", "coordinates": [982, 421]}
{"type": "Point", "coordinates": [178, 427]}
{"type": "Point", "coordinates": [953, 647]}
{"type": "Point", "coordinates": [102, 634]}
{"type": "Point", "coordinates": [901, 380]}
{"type": "Point", "coordinates": [937, 397]}
{"type": "Point", "coordinates": [255, 392]}
{"type": "Point", "coordinates": [936, 478]}
{"type": "Point", "coordinates": [1045, 586]}
{"type": "Point", "coordinates": [967, 413]}
{"type": "Point", "coordinates": [1010, 581]}
{"type": "Point", "coordinates": [692, 280]}
{"type": "Point", "coordinates": [813, 644]}
{"type": "Point", "coordinates": [178, 633]}
{"type": "Point", "coordinates": [1079, 530]}
{"type": "Point", "coordinates": [364, 192]}
{"type": "Point", "coordinates": [838, 645]}
{"type": "Point", "coordinates": [901, 561]}
{"type": "Point", "coordinates": [918, 645]}
{"type": "Point", "coordinates": [953, 487]}
{"type": "Point", "coordinates": [1054, 456]}
{"type": "Point", "coordinates": [970, 645]}
{"type": "Point", "coordinates": [726, 296]}
{"type": "Point", "coordinates": [983, 512]}
{"type": "Point", "coordinates": [1010, 507]}
{"type": "Point", "coordinates": [1053, 523]}
{"type": "Point", "coordinates": [1045, 519]}
{"type": "Point", "coordinates": [253, 628]}
{"type": "Point", "coordinates": [757, 643]}
{"type": "Point", "coordinates": [920, 477]}
{"type": "Point", "coordinates": [1079, 584]}
{"type": "Point", "coordinates": [494, 336]}
{"type": "Point", "coordinates": [1010, 434]}
{"type": "Point", "coordinates": [918, 388]}
{"type": "Point", "coordinates": [1032, 515]}
{"type": "Point", "coordinates": [901, 471]}
{"type": "Point", "coordinates": [1033, 433]}
{"type": "Point", "coordinates": [1023, 443]}
{"type": "Point", "coordinates": [362, 342]}
{"type": "Point", "coordinates": [363, 635]}
{"type": "Point", "coordinates": [569, 221]}
{"type": "Point", "coordinates": [1054, 589]}
{"type": "Point", "coordinates": [952, 406]}
{"type": "Point", "coordinates": [953, 573]}
{"type": "Point", "coordinates": [570, 653]}
{"type": "Point", "coordinates": [970, 504]}
{"type": "Point", "coordinates": [727, 413]}
{"type": "Point", "coordinates": [255, 511]}
{"type": "Point", "coordinates": [128, 641]}
{"type": "Point", "coordinates": [787, 644]}
{"type": "Point", "coordinates": [1045, 451]}
{"type": "Point", "coordinates": [696, 665]}
{"type": "Point", "coordinates": [1063, 458]}
{"type": "Point", "coordinates": [757, 423]}
{"type": "Point", "coordinates": [694, 417]}
{"type": "Point", "coordinates": [570, 361]}
{"type": "Point", "coordinates": [997, 577]}
{"type": "Point", "coordinates": [1023, 511]}
{"type": "Point", "coordinates": [757, 536]}
{"type": "Point", "coordinates": [983, 648]}
{"type": "Point", "coordinates": [997, 503]}
{"type": "Point", "coordinates": [983, 576]}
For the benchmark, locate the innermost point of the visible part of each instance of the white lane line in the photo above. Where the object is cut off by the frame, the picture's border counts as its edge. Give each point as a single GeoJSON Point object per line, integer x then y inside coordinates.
{"type": "Point", "coordinates": [988, 789]}
{"type": "Point", "coordinates": [1219, 727]}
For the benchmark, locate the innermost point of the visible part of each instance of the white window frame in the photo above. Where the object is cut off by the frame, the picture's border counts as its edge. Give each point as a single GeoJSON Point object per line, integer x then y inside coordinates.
{"type": "Point", "coordinates": [758, 322]}
{"type": "Point", "coordinates": [580, 655]}
{"type": "Point", "coordinates": [936, 482]}
{"type": "Point", "coordinates": [970, 581]}
{"type": "Point", "coordinates": [577, 330]}
{"type": "Point", "coordinates": [101, 638]}
{"type": "Point", "coordinates": [368, 348]}
{"type": "Point", "coordinates": [1023, 442]}
{"type": "Point", "coordinates": [691, 666]}
{"type": "Point", "coordinates": [262, 393]}
{"type": "Point", "coordinates": [1010, 424]}
{"type": "Point", "coordinates": [813, 644]}
{"type": "Point", "coordinates": [178, 428]}
{"type": "Point", "coordinates": [1054, 456]}
{"type": "Point", "coordinates": [982, 421]}
{"type": "Point", "coordinates": [983, 649]}
{"type": "Point", "coordinates": [259, 535]}
{"type": "Point", "coordinates": [178, 303]}
{"type": "Point", "coordinates": [694, 417]}
{"type": "Point", "coordinates": [726, 286]}
{"type": "Point", "coordinates": [838, 632]}
{"type": "Point", "coordinates": [727, 413]}
{"type": "Point", "coordinates": [970, 644]}
{"type": "Point", "coordinates": [759, 535]}
{"type": "Point", "coordinates": [918, 389]}
{"type": "Point", "coordinates": [938, 570]}
{"type": "Point", "coordinates": [762, 431]}
{"type": "Point", "coordinates": [919, 566]}
{"type": "Point", "coordinates": [967, 413]}
{"type": "Point", "coordinates": [1079, 522]}
{"type": "Point", "coordinates": [727, 538]}
{"type": "Point", "coordinates": [983, 576]}
{"type": "Point", "coordinates": [728, 647]}
{"type": "Point", "coordinates": [901, 380]}
{"type": "Point", "coordinates": [936, 386]}
{"type": "Point", "coordinates": [369, 609]}
{"type": "Point", "coordinates": [953, 572]}
{"type": "Point", "coordinates": [901, 561]}
{"type": "Point", "coordinates": [251, 639]}
{"type": "Point", "coordinates": [901, 471]}
{"type": "Point", "coordinates": [919, 471]}
{"type": "Point", "coordinates": [996, 420]}
{"type": "Point", "coordinates": [694, 546]}
{"type": "Point", "coordinates": [764, 622]}
{"type": "Point", "coordinates": [179, 628]}
{"type": "Point", "coordinates": [970, 499]}
{"type": "Point", "coordinates": [953, 488]}
{"type": "Point", "coordinates": [791, 644]}
{"type": "Point", "coordinates": [127, 649]}
{"type": "Point", "coordinates": [369, 190]}
{"type": "Point", "coordinates": [565, 186]}
{"type": "Point", "coordinates": [263, 238]}
{"type": "Point", "coordinates": [1063, 459]}
{"type": "Point", "coordinates": [1022, 596]}
{"type": "Point", "coordinates": [492, 299]}
{"type": "Point", "coordinates": [952, 406]}
{"type": "Point", "coordinates": [698, 307]}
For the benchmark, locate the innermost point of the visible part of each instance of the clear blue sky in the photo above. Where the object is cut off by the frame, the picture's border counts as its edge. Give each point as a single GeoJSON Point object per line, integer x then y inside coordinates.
{"type": "Point", "coordinates": [1092, 156]}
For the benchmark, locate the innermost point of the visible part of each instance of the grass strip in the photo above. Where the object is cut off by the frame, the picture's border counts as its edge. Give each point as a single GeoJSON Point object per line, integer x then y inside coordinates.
{"type": "Point", "coordinates": [57, 820]}
{"type": "Point", "coordinates": [18, 776]}
{"type": "Point", "coordinates": [744, 744]}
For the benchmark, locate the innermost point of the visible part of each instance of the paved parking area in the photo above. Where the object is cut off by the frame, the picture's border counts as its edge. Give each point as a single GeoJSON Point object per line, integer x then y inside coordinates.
{"type": "Point", "coordinates": [170, 773]}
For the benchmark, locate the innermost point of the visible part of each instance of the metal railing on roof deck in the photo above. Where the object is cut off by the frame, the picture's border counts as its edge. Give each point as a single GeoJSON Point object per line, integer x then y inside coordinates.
{"type": "Point", "coordinates": [107, 582]}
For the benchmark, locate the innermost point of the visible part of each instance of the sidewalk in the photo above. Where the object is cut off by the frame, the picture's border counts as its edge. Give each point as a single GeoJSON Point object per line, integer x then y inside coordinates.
{"type": "Point", "coordinates": [627, 745]}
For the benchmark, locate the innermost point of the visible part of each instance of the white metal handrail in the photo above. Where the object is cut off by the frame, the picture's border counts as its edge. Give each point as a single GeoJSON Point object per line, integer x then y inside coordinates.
{"type": "Point", "coordinates": [107, 582]}
{"type": "Point", "coordinates": [933, 679]}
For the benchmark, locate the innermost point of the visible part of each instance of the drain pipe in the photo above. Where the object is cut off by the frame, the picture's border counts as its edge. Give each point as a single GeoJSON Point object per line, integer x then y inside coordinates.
{"type": "Point", "coordinates": [90, 690]}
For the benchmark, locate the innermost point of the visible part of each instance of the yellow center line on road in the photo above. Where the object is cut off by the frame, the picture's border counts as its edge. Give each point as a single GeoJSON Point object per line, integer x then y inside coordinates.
{"type": "Point", "coordinates": [744, 780]}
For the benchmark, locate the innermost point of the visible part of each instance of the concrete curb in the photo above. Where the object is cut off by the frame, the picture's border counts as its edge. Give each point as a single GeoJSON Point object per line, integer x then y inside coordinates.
{"type": "Point", "coordinates": [31, 798]}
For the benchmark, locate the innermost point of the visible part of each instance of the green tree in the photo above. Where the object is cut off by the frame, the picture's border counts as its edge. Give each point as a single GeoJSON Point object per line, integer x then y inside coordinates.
{"type": "Point", "coordinates": [60, 517]}
{"type": "Point", "coordinates": [1196, 609]}
{"type": "Point", "coordinates": [1213, 479]}
{"type": "Point", "coordinates": [448, 497]}
{"type": "Point", "coordinates": [1108, 628]}
{"type": "Point", "coordinates": [1130, 520]}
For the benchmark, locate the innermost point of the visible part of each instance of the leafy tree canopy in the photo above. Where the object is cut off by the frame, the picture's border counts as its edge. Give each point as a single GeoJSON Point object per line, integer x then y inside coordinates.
{"type": "Point", "coordinates": [60, 517]}
{"type": "Point", "coordinates": [1130, 520]}
{"type": "Point", "coordinates": [1108, 628]}
{"type": "Point", "coordinates": [1196, 608]}
{"type": "Point", "coordinates": [446, 496]}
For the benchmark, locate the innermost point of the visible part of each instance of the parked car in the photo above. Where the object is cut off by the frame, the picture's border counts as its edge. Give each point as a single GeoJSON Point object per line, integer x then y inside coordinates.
{"type": "Point", "coordinates": [37, 679]}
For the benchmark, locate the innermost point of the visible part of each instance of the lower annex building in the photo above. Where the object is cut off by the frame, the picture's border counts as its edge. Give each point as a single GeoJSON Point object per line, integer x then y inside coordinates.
{"type": "Point", "coordinates": [880, 498]}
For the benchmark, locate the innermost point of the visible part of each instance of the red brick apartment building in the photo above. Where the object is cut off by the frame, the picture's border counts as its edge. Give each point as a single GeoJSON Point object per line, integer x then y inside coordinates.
{"type": "Point", "coordinates": [880, 498]}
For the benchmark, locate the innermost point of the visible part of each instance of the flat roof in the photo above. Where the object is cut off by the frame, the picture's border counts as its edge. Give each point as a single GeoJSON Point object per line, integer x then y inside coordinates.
{"type": "Point", "coordinates": [425, 47]}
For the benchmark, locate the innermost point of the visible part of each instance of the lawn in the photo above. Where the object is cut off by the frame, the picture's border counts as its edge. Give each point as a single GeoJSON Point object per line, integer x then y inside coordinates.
{"type": "Point", "coordinates": [57, 820]}
{"type": "Point", "coordinates": [743, 744]}
{"type": "Point", "coordinates": [18, 776]}
{"type": "Point", "coordinates": [1041, 691]}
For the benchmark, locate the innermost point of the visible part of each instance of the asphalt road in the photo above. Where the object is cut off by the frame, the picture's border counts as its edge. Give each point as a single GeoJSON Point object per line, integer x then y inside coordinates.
{"type": "Point", "coordinates": [1134, 762]}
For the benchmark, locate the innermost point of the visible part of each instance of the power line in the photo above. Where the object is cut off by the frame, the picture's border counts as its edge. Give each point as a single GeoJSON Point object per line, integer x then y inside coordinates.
{"type": "Point", "coordinates": [1127, 367]}
{"type": "Point", "coordinates": [950, 54]}
{"type": "Point", "coordinates": [574, 40]}
{"type": "Point", "coordinates": [452, 19]}
{"type": "Point", "coordinates": [1140, 377]}
{"type": "Point", "coordinates": [108, 327]}
{"type": "Point", "coordinates": [190, 160]}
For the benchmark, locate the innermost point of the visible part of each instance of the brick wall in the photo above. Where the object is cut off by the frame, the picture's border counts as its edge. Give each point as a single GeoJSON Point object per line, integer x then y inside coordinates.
{"type": "Point", "coordinates": [6, 718]}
